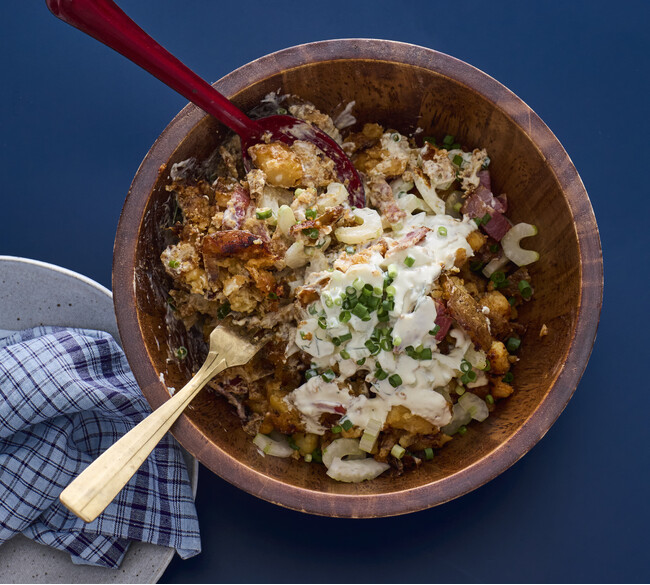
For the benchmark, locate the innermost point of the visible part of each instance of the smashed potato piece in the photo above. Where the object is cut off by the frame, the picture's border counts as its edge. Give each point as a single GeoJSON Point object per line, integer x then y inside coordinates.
{"type": "Point", "coordinates": [498, 356]}
{"type": "Point", "coordinates": [280, 164]}
{"type": "Point", "coordinates": [401, 417]}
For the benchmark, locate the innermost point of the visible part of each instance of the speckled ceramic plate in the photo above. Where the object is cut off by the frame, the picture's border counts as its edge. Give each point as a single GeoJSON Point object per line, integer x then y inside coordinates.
{"type": "Point", "coordinates": [35, 293]}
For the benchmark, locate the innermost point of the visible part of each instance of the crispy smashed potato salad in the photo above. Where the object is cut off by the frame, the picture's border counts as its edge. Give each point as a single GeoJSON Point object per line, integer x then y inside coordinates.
{"type": "Point", "coordinates": [393, 327]}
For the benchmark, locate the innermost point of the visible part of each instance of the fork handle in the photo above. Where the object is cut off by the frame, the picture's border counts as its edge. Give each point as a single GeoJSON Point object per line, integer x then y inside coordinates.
{"type": "Point", "coordinates": [106, 22]}
{"type": "Point", "coordinates": [96, 487]}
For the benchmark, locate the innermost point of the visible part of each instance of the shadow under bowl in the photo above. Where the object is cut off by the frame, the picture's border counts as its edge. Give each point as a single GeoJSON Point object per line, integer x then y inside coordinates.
{"type": "Point", "coordinates": [404, 87]}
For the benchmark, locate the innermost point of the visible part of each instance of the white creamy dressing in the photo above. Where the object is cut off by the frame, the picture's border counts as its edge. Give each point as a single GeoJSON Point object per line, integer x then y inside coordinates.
{"type": "Point", "coordinates": [411, 321]}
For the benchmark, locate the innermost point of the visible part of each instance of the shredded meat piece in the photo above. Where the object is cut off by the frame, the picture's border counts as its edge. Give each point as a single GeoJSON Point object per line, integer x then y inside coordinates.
{"type": "Point", "coordinates": [235, 213]}
{"type": "Point", "coordinates": [467, 313]}
{"type": "Point", "coordinates": [380, 195]}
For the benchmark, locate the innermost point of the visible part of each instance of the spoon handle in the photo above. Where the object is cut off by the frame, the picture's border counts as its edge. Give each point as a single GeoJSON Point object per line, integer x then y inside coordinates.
{"type": "Point", "coordinates": [95, 488]}
{"type": "Point", "coordinates": [106, 22]}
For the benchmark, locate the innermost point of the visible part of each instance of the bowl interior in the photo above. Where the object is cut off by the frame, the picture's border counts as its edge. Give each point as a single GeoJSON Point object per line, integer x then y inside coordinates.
{"type": "Point", "coordinates": [406, 97]}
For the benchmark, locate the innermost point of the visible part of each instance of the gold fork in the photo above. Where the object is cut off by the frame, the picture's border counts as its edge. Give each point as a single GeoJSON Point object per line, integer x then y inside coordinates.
{"type": "Point", "coordinates": [92, 490]}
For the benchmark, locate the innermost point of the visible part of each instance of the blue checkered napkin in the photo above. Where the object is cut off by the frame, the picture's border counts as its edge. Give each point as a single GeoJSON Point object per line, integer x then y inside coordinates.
{"type": "Point", "coordinates": [66, 395]}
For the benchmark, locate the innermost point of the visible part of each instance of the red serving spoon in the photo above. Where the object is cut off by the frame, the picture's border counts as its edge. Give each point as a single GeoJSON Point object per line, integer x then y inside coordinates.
{"type": "Point", "coordinates": [106, 22]}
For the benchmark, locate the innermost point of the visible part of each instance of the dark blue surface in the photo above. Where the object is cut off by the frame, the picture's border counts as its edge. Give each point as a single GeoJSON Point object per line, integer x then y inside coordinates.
{"type": "Point", "coordinates": [76, 119]}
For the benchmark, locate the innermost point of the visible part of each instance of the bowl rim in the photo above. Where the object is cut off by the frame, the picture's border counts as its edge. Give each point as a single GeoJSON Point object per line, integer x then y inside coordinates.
{"type": "Point", "coordinates": [497, 460]}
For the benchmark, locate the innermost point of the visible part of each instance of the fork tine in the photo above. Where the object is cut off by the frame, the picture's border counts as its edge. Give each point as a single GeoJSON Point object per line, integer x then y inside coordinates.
{"type": "Point", "coordinates": [237, 350]}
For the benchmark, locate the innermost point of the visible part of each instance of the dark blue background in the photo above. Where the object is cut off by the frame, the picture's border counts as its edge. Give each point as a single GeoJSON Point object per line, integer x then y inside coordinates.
{"type": "Point", "coordinates": [76, 119]}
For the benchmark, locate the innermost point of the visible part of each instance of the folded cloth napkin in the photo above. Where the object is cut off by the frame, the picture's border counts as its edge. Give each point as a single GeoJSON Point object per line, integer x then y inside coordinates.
{"type": "Point", "coordinates": [66, 395]}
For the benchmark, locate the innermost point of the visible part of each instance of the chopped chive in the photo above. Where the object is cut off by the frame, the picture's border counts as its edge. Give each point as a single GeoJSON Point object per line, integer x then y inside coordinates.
{"type": "Point", "coordinates": [345, 355]}
{"type": "Point", "coordinates": [392, 270]}
{"type": "Point", "coordinates": [281, 111]}
{"type": "Point", "coordinates": [273, 296]}
{"type": "Point", "coordinates": [486, 163]}
{"type": "Point", "coordinates": [449, 139]}
{"type": "Point", "coordinates": [311, 214]}
{"type": "Point", "coordinates": [509, 377]}
{"type": "Point", "coordinates": [311, 233]}
{"type": "Point", "coordinates": [409, 261]}
{"type": "Point", "coordinates": [303, 335]}
{"type": "Point", "coordinates": [513, 344]}
{"type": "Point", "coordinates": [181, 353]}
{"type": "Point", "coordinates": [338, 301]}
{"type": "Point", "coordinates": [458, 160]}
{"type": "Point", "coordinates": [350, 249]}
{"type": "Point", "coordinates": [397, 341]}
{"type": "Point", "coordinates": [337, 429]}
{"type": "Point", "coordinates": [174, 264]}
{"type": "Point", "coordinates": [350, 290]}
{"type": "Point", "coordinates": [360, 311]}
{"type": "Point", "coordinates": [425, 354]}
{"type": "Point", "coordinates": [308, 458]}
{"type": "Point", "coordinates": [223, 310]}
{"type": "Point", "coordinates": [462, 430]}
{"type": "Point", "coordinates": [322, 322]}
{"type": "Point", "coordinates": [311, 373]}
{"type": "Point", "coordinates": [455, 146]}
{"type": "Point", "coordinates": [312, 310]}
{"type": "Point", "coordinates": [397, 451]}
{"type": "Point", "coordinates": [458, 206]}
{"type": "Point", "coordinates": [395, 136]}
{"type": "Point", "coordinates": [435, 330]}
{"type": "Point", "coordinates": [373, 302]}
{"type": "Point", "coordinates": [361, 361]}
{"type": "Point", "coordinates": [368, 287]}
{"type": "Point", "coordinates": [460, 390]}
{"type": "Point", "coordinates": [358, 284]}
{"type": "Point", "coordinates": [489, 399]}
{"type": "Point", "coordinates": [428, 453]}
{"type": "Point", "coordinates": [383, 318]}
{"type": "Point", "coordinates": [476, 265]}
{"type": "Point", "coordinates": [378, 291]}
{"type": "Point", "coordinates": [430, 140]}
{"type": "Point", "coordinates": [317, 456]}
{"type": "Point", "coordinates": [391, 291]}
{"type": "Point", "coordinates": [442, 231]}
{"type": "Point", "coordinates": [465, 366]}
{"type": "Point", "coordinates": [263, 213]}
{"type": "Point", "coordinates": [328, 375]}
{"type": "Point", "coordinates": [380, 374]}
{"type": "Point", "coordinates": [344, 316]}
{"type": "Point", "coordinates": [329, 303]}
{"type": "Point", "coordinates": [386, 344]}
{"type": "Point", "coordinates": [395, 380]}
{"type": "Point", "coordinates": [347, 424]}
{"type": "Point", "coordinates": [525, 289]}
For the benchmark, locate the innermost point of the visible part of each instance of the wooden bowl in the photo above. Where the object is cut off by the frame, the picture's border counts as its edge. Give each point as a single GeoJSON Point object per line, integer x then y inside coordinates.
{"type": "Point", "coordinates": [404, 87]}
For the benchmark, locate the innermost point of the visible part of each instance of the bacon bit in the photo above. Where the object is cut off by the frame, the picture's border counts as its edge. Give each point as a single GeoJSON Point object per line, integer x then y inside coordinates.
{"type": "Point", "coordinates": [330, 407]}
{"type": "Point", "coordinates": [443, 320]}
{"type": "Point", "coordinates": [497, 227]}
{"type": "Point", "coordinates": [410, 239]}
{"type": "Point", "coordinates": [483, 202]}
{"type": "Point", "coordinates": [484, 179]}
{"type": "Point", "coordinates": [235, 213]}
